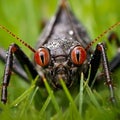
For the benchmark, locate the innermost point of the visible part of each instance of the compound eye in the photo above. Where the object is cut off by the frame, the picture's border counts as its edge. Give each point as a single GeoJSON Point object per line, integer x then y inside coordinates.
{"type": "Point", "coordinates": [78, 55]}
{"type": "Point", "coordinates": [42, 57]}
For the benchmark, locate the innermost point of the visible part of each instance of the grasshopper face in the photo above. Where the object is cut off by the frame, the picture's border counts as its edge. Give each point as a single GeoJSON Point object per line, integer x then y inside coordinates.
{"type": "Point", "coordinates": [61, 50]}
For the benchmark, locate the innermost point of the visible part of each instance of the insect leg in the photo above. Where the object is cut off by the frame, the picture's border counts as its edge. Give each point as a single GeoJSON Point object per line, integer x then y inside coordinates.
{"type": "Point", "coordinates": [106, 71]}
{"type": "Point", "coordinates": [16, 66]}
{"type": "Point", "coordinates": [94, 65]}
{"type": "Point", "coordinates": [115, 63]}
{"type": "Point", "coordinates": [114, 37]}
{"type": "Point", "coordinates": [24, 61]}
{"type": "Point", "coordinates": [95, 61]}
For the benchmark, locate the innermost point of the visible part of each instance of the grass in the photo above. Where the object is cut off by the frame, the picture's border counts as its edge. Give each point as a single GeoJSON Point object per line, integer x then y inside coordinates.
{"type": "Point", "coordinates": [25, 101]}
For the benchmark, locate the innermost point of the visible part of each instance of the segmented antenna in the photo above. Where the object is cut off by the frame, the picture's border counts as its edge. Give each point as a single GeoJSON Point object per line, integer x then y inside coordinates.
{"type": "Point", "coordinates": [102, 34]}
{"type": "Point", "coordinates": [17, 38]}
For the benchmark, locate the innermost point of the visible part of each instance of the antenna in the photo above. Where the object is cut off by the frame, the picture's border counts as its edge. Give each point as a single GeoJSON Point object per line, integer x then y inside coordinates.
{"type": "Point", "coordinates": [101, 35]}
{"type": "Point", "coordinates": [17, 38]}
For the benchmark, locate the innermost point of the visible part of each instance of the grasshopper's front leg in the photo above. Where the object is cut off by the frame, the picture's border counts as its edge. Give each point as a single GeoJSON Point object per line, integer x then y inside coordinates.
{"type": "Point", "coordinates": [24, 62]}
{"type": "Point", "coordinates": [99, 54]}
{"type": "Point", "coordinates": [16, 68]}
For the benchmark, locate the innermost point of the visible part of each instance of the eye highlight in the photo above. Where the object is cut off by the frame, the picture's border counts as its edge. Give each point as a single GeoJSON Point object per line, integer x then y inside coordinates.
{"type": "Point", "coordinates": [78, 55]}
{"type": "Point", "coordinates": [42, 57]}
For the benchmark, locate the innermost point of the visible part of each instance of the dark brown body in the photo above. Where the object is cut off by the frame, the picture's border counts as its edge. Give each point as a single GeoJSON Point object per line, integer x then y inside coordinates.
{"type": "Point", "coordinates": [60, 35]}
{"type": "Point", "coordinates": [60, 38]}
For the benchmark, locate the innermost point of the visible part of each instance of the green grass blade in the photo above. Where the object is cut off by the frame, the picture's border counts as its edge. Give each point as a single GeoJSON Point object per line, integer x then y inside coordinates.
{"type": "Point", "coordinates": [45, 105]}
{"type": "Point", "coordinates": [81, 94]}
{"type": "Point", "coordinates": [73, 107]}
{"type": "Point", "coordinates": [56, 106]}
{"type": "Point", "coordinates": [67, 93]}
{"type": "Point", "coordinates": [91, 95]}
{"type": "Point", "coordinates": [23, 96]}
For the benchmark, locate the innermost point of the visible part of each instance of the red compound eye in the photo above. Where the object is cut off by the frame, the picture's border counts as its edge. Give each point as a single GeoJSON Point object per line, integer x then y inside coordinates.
{"type": "Point", "coordinates": [78, 55]}
{"type": "Point", "coordinates": [42, 57]}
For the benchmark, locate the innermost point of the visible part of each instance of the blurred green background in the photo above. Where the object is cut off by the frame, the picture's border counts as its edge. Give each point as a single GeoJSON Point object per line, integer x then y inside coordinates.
{"type": "Point", "coordinates": [24, 18]}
